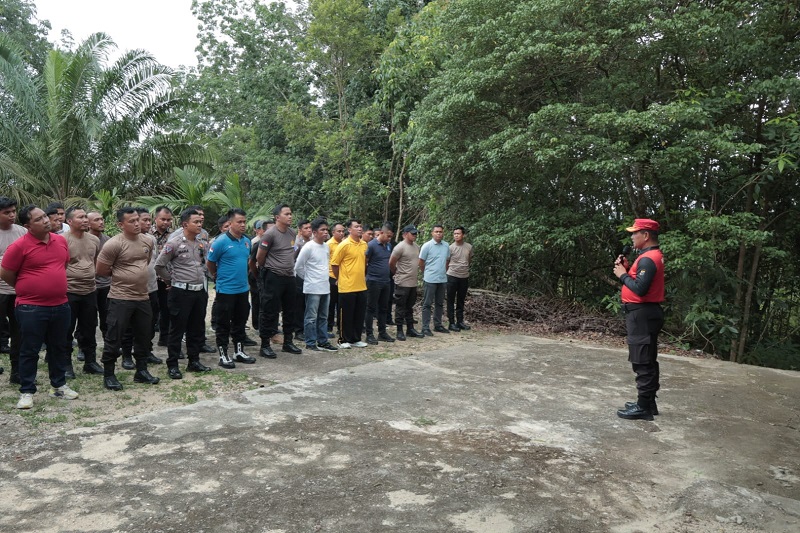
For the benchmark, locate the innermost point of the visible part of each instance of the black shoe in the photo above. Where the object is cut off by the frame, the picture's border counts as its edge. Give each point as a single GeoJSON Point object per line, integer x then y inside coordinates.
{"type": "Point", "coordinates": [81, 356]}
{"type": "Point", "coordinates": [463, 326]}
{"type": "Point", "coordinates": [240, 357]}
{"type": "Point", "coordinates": [441, 329]}
{"type": "Point", "coordinates": [162, 342]}
{"type": "Point", "coordinates": [635, 413]}
{"type": "Point", "coordinates": [111, 383]}
{"type": "Point", "coordinates": [411, 332]}
{"type": "Point", "coordinates": [400, 335]}
{"type": "Point", "coordinates": [127, 362]}
{"type": "Point", "coordinates": [385, 337]}
{"type": "Point", "coordinates": [153, 360]}
{"type": "Point", "coordinates": [143, 376]}
{"type": "Point", "coordinates": [372, 340]}
{"type": "Point", "coordinates": [174, 373]}
{"type": "Point", "coordinates": [205, 348]}
{"type": "Point", "coordinates": [266, 351]}
{"type": "Point", "coordinates": [197, 366]}
{"type": "Point", "coordinates": [288, 347]}
{"type": "Point", "coordinates": [453, 327]}
{"type": "Point", "coordinates": [653, 408]}
{"type": "Point", "coordinates": [427, 333]}
{"type": "Point", "coordinates": [249, 342]}
{"type": "Point", "coordinates": [92, 368]}
{"type": "Point", "coordinates": [70, 374]}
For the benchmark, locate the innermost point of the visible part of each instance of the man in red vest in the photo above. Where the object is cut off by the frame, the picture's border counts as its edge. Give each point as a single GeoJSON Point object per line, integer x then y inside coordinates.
{"type": "Point", "coordinates": [642, 294]}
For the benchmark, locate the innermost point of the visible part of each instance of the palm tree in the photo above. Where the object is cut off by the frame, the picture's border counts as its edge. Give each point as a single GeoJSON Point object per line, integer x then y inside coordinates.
{"type": "Point", "coordinates": [188, 187]}
{"type": "Point", "coordinates": [82, 125]}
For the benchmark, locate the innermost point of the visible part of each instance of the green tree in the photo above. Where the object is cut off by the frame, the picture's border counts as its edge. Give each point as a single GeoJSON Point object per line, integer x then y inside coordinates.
{"type": "Point", "coordinates": [82, 125]}
{"type": "Point", "coordinates": [19, 23]}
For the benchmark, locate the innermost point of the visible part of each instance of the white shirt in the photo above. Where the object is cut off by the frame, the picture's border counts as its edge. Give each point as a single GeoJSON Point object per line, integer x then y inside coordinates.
{"type": "Point", "coordinates": [312, 266]}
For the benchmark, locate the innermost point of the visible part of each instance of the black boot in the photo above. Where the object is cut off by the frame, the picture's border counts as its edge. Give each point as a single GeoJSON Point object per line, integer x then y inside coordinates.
{"type": "Point", "coordinates": [240, 357]}
{"type": "Point", "coordinates": [411, 332]}
{"type": "Point", "coordinates": [653, 406]}
{"type": "Point", "coordinates": [636, 412]}
{"type": "Point", "coordinates": [224, 360]}
{"type": "Point", "coordinates": [400, 335]}
{"type": "Point", "coordinates": [127, 362]}
{"type": "Point", "coordinates": [267, 351]}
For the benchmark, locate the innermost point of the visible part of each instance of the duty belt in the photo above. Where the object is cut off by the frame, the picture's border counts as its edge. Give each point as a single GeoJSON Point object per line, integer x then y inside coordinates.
{"type": "Point", "coordinates": [188, 286]}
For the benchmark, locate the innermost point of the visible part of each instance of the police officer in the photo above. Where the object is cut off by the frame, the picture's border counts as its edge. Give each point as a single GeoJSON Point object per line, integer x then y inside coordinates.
{"type": "Point", "coordinates": [642, 294]}
{"type": "Point", "coordinates": [185, 278]}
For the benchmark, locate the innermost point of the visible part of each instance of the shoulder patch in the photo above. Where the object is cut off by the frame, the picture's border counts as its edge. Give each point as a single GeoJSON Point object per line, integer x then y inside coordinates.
{"type": "Point", "coordinates": [167, 248]}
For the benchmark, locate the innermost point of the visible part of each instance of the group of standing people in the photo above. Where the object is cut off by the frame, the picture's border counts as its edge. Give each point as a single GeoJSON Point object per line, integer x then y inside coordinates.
{"type": "Point", "coordinates": [62, 277]}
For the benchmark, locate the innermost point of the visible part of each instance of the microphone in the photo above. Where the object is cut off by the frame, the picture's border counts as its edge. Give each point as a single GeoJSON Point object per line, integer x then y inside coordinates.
{"type": "Point", "coordinates": [626, 250]}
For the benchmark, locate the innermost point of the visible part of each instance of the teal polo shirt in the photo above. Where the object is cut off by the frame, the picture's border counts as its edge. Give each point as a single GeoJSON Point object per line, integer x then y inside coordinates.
{"type": "Point", "coordinates": [231, 255]}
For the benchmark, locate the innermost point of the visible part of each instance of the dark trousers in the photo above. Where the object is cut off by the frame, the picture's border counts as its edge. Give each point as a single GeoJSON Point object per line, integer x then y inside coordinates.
{"type": "Point", "coordinates": [391, 300]}
{"type": "Point", "coordinates": [39, 324]}
{"type": "Point", "coordinates": [255, 300]}
{"type": "Point", "coordinates": [352, 308]}
{"type": "Point", "coordinates": [377, 305]}
{"type": "Point", "coordinates": [7, 312]}
{"type": "Point", "coordinates": [188, 315]}
{"type": "Point", "coordinates": [83, 313]}
{"type": "Point", "coordinates": [405, 298]}
{"type": "Point", "coordinates": [232, 312]}
{"type": "Point", "coordinates": [643, 323]}
{"type": "Point", "coordinates": [333, 306]}
{"type": "Point", "coordinates": [299, 306]}
{"type": "Point", "coordinates": [102, 308]}
{"type": "Point", "coordinates": [456, 294]}
{"type": "Point", "coordinates": [124, 315]}
{"type": "Point", "coordinates": [162, 314]}
{"type": "Point", "coordinates": [127, 337]}
{"type": "Point", "coordinates": [433, 296]}
{"type": "Point", "coordinates": [277, 293]}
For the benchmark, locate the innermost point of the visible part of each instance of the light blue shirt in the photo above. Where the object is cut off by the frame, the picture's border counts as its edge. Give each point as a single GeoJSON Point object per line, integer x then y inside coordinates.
{"type": "Point", "coordinates": [435, 257]}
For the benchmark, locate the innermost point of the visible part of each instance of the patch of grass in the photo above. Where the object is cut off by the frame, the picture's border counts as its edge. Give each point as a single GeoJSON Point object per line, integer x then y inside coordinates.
{"type": "Point", "coordinates": [187, 392]}
{"type": "Point", "coordinates": [35, 417]}
{"type": "Point", "coordinates": [423, 421]}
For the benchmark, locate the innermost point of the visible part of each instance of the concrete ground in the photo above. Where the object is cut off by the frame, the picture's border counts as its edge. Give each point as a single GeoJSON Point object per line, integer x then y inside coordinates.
{"type": "Point", "coordinates": [503, 434]}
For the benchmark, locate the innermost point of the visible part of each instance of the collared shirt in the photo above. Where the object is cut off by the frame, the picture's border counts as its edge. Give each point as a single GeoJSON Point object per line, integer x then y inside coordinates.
{"type": "Point", "coordinates": [41, 269]}
{"type": "Point", "coordinates": [231, 255]}
{"type": "Point", "coordinates": [351, 257]}
{"type": "Point", "coordinates": [378, 261]}
{"type": "Point", "coordinates": [187, 258]}
{"type": "Point", "coordinates": [435, 256]}
{"type": "Point", "coordinates": [161, 238]}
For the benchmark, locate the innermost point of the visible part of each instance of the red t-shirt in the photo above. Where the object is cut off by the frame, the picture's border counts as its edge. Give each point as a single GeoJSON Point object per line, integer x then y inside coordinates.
{"type": "Point", "coordinates": [41, 269]}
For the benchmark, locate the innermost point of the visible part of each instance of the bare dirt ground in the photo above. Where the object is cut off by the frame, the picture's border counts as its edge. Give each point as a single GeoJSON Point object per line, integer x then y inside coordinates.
{"type": "Point", "coordinates": [480, 431]}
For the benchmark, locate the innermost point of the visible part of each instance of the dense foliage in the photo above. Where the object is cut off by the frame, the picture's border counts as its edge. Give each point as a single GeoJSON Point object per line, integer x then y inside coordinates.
{"type": "Point", "coordinates": [544, 126]}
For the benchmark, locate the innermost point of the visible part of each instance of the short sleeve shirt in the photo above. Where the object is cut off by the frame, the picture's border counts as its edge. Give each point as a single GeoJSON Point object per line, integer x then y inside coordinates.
{"type": "Point", "coordinates": [103, 282]}
{"type": "Point", "coordinates": [460, 258]}
{"type": "Point", "coordinates": [351, 257]}
{"type": "Point", "coordinates": [378, 261]}
{"type": "Point", "coordinates": [407, 266]}
{"type": "Point", "coordinates": [280, 250]}
{"type": "Point", "coordinates": [7, 236]}
{"type": "Point", "coordinates": [435, 257]}
{"type": "Point", "coordinates": [129, 260]}
{"type": "Point", "coordinates": [82, 255]}
{"type": "Point", "coordinates": [231, 255]}
{"type": "Point", "coordinates": [187, 259]}
{"type": "Point", "coordinates": [41, 269]}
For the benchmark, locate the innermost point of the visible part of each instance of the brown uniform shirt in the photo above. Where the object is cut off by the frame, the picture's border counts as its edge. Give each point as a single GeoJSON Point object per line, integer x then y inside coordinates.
{"type": "Point", "coordinates": [129, 260]}
{"type": "Point", "coordinates": [407, 267]}
{"type": "Point", "coordinates": [83, 252]}
{"type": "Point", "coordinates": [460, 258]}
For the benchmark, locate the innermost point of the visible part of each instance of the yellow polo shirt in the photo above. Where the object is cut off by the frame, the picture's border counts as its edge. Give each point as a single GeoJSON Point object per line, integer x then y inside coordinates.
{"type": "Point", "coordinates": [351, 257]}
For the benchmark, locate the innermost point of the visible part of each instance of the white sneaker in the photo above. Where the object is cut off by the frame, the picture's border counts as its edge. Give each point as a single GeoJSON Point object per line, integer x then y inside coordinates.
{"type": "Point", "coordinates": [25, 401]}
{"type": "Point", "coordinates": [344, 345]}
{"type": "Point", "coordinates": [63, 392]}
{"type": "Point", "coordinates": [360, 344]}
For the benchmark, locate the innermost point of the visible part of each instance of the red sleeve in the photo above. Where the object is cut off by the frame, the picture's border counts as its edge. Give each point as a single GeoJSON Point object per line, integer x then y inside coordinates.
{"type": "Point", "coordinates": [12, 259]}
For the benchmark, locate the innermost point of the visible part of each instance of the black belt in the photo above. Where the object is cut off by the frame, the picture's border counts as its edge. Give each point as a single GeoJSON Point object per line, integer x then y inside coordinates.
{"type": "Point", "coordinates": [633, 307]}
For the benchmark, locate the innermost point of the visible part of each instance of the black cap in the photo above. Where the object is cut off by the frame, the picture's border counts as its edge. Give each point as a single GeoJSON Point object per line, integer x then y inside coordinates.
{"type": "Point", "coordinates": [411, 228]}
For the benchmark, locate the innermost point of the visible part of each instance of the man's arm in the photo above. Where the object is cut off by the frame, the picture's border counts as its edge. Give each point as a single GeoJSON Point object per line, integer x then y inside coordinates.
{"type": "Point", "coordinates": [103, 269]}
{"type": "Point", "coordinates": [9, 276]}
{"type": "Point", "coordinates": [644, 277]}
{"type": "Point", "coordinates": [212, 269]}
{"type": "Point", "coordinates": [422, 265]}
{"type": "Point", "coordinates": [393, 264]}
{"type": "Point", "coordinates": [261, 255]}
{"type": "Point", "coordinates": [335, 269]}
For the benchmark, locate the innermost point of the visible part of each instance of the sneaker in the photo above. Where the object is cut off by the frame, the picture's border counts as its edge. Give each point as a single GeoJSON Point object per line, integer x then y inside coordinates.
{"type": "Point", "coordinates": [312, 348]}
{"type": "Point", "coordinates": [360, 344]}
{"type": "Point", "coordinates": [63, 392]}
{"type": "Point", "coordinates": [327, 347]}
{"type": "Point", "coordinates": [25, 401]}
{"type": "Point", "coordinates": [344, 345]}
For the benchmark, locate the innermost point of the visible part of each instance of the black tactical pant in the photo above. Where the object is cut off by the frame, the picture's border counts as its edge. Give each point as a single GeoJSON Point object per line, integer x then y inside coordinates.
{"type": "Point", "coordinates": [643, 323]}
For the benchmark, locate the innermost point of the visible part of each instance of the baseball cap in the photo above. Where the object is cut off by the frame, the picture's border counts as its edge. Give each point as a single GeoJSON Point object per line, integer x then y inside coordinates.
{"type": "Point", "coordinates": [257, 224]}
{"type": "Point", "coordinates": [411, 228]}
{"type": "Point", "coordinates": [643, 224]}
